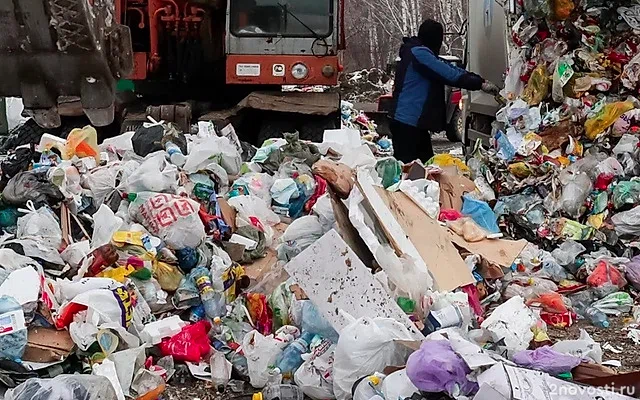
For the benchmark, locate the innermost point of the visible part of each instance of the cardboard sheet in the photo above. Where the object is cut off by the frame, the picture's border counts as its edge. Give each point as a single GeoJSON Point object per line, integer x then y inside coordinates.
{"type": "Point", "coordinates": [334, 278]}
{"type": "Point", "coordinates": [348, 232]}
{"type": "Point", "coordinates": [45, 345]}
{"type": "Point", "coordinates": [497, 251]}
{"type": "Point", "coordinates": [392, 229]}
{"type": "Point", "coordinates": [447, 268]}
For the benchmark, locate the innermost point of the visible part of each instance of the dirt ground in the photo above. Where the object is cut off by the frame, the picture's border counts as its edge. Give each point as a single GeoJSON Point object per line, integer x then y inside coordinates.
{"type": "Point", "coordinates": [626, 351]}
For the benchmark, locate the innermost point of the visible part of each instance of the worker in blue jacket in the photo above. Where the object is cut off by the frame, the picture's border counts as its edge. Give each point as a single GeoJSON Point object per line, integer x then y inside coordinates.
{"type": "Point", "coordinates": [419, 106]}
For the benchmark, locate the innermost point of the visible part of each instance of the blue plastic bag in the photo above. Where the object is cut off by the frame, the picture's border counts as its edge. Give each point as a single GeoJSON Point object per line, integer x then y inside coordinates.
{"type": "Point", "coordinates": [481, 213]}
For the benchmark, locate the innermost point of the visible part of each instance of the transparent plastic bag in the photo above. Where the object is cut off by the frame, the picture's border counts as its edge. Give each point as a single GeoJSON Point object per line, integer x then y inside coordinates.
{"type": "Point", "coordinates": [468, 229]}
{"type": "Point", "coordinates": [64, 387]}
{"type": "Point", "coordinates": [253, 183]}
{"type": "Point", "coordinates": [302, 233]}
{"type": "Point", "coordinates": [575, 189]}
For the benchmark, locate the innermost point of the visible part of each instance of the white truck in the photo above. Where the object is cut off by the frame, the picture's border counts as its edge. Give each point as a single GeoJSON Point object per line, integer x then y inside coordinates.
{"type": "Point", "coordinates": [489, 23]}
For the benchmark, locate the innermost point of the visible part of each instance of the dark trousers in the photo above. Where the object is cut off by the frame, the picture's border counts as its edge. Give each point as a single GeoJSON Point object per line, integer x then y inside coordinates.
{"type": "Point", "coordinates": [410, 143]}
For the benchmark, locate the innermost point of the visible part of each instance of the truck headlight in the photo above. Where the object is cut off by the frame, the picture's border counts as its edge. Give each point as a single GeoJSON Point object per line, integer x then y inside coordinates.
{"type": "Point", "coordinates": [299, 71]}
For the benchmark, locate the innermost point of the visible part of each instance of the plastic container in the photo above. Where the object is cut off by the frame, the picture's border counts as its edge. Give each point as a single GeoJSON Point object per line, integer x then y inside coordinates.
{"type": "Point", "coordinates": [597, 317]}
{"type": "Point", "coordinates": [291, 358]}
{"type": "Point", "coordinates": [280, 392]}
{"type": "Point", "coordinates": [213, 301]}
{"type": "Point", "coordinates": [13, 339]}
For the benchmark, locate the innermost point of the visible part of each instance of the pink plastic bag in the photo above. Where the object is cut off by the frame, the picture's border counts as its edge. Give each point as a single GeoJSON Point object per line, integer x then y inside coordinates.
{"type": "Point", "coordinates": [604, 274]}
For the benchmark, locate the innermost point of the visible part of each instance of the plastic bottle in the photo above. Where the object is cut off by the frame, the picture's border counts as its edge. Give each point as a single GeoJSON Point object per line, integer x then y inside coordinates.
{"type": "Point", "coordinates": [220, 370]}
{"type": "Point", "coordinates": [175, 154]}
{"type": "Point", "coordinates": [597, 317]}
{"type": "Point", "coordinates": [291, 358]}
{"type": "Point", "coordinates": [213, 301]}
{"type": "Point", "coordinates": [281, 392]}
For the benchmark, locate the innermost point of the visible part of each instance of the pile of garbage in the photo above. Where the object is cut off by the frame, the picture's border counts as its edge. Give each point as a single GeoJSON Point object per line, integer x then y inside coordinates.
{"type": "Point", "coordinates": [365, 86]}
{"type": "Point", "coordinates": [325, 270]}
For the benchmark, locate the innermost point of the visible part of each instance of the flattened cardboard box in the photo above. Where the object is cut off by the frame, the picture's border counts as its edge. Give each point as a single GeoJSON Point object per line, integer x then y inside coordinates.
{"type": "Point", "coordinates": [45, 345]}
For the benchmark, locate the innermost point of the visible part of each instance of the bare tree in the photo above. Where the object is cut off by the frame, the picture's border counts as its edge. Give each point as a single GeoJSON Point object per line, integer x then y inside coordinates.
{"type": "Point", "coordinates": [375, 28]}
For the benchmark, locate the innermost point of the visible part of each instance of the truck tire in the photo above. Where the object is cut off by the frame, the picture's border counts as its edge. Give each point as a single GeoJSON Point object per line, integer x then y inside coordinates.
{"type": "Point", "coordinates": [30, 132]}
{"type": "Point", "coordinates": [455, 127]}
{"type": "Point", "coordinates": [309, 127]}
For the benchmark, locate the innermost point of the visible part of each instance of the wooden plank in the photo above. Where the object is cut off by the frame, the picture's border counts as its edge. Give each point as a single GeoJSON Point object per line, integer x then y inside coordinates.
{"type": "Point", "coordinates": [497, 251]}
{"type": "Point", "coordinates": [335, 279]}
{"type": "Point", "coordinates": [445, 264]}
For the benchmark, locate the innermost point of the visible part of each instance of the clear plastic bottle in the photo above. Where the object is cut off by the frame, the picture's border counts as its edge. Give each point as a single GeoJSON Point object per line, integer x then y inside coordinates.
{"type": "Point", "coordinates": [291, 358]}
{"type": "Point", "coordinates": [597, 317]}
{"type": "Point", "coordinates": [212, 299]}
{"type": "Point", "coordinates": [175, 154]}
{"type": "Point", "coordinates": [220, 370]}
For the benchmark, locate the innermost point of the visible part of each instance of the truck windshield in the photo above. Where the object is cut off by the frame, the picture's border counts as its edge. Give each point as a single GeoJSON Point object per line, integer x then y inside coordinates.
{"type": "Point", "coordinates": [297, 18]}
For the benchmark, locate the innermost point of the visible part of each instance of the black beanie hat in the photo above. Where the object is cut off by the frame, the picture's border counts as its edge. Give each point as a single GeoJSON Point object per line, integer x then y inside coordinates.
{"type": "Point", "coordinates": [431, 34]}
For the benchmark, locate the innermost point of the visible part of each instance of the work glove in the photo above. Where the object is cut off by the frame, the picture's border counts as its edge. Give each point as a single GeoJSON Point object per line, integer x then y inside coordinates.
{"type": "Point", "coordinates": [490, 87]}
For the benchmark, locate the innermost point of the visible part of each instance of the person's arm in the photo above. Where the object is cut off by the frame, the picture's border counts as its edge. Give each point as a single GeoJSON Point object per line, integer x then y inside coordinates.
{"type": "Point", "coordinates": [435, 68]}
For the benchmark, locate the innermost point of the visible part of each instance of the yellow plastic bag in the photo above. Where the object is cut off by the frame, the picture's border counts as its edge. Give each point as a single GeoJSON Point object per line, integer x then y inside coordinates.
{"type": "Point", "coordinates": [606, 117]}
{"type": "Point", "coordinates": [168, 276]}
{"type": "Point", "coordinates": [447, 160]}
{"type": "Point", "coordinates": [119, 274]}
{"type": "Point", "coordinates": [538, 86]}
{"type": "Point", "coordinates": [82, 143]}
{"type": "Point", "coordinates": [520, 170]}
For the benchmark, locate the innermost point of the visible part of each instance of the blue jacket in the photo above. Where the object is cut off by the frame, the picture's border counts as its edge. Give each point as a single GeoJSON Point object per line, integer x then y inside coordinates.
{"type": "Point", "coordinates": [418, 95]}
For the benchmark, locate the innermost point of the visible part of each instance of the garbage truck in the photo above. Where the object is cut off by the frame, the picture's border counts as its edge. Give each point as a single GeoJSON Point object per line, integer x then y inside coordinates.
{"type": "Point", "coordinates": [488, 28]}
{"type": "Point", "coordinates": [74, 57]}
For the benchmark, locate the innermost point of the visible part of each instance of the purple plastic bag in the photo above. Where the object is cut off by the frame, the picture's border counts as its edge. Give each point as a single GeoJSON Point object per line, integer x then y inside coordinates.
{"type": "Point", "coordinates": [435, 368]}
{"type": "Point", "coordinates": [547, 360]}
{"type": "Point", "coordinates": [633, 272]}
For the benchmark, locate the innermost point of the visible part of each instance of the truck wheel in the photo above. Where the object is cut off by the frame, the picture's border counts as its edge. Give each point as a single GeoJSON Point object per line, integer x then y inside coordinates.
{"type": "Point", "coordinates": [455, 127]}
{"type": "Point", "coordinates": [271, 128]}
{"type": "Point", "coordinates": [30, 132]}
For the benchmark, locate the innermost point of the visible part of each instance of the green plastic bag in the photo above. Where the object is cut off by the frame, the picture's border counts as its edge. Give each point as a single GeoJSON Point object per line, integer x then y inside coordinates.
{"type": "Point", "coordinates": [390, 170]}
{"type": "Point", "coordinates": [627, 192]}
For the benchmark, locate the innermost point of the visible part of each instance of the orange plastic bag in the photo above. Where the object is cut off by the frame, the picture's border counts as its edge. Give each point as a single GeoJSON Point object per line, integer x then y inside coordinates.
{"type": "Point", "coordinates": [82, 143]}
{"type": "Point", "coordinates": [562, 9]}
{"type": "Point", "coordinates": [606, 274]}
{"type": "Point", "coordinates": [550, 302]}
{"type": "Point", "coordinates": [606, 117]}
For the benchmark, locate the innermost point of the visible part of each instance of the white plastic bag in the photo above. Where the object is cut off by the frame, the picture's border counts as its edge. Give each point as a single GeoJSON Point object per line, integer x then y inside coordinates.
{"type": "Point", "coordinates": [365, 346]}
{"type": "Point", "coordinates": [40, 225]}
{"type": "Point", "coordinates": [102, 182]}
{"type": "Point", "coordinates": [105, 224]}
{"type": "Point", "coordinates": [315, 375]}
{"type": "Point", "coordinates": [174, 219]}
{"type": "Point", "coordinates": [398, 386]}
{"type": "Point", "coordinates": [324, 210]}
{"type": "Point", "coordinates": [258, 184]}
{"type": "Point", "coordinates": [627, 144]}
{"type": "Point", "coordinates": [252, 206]}
{"type": "Point", "coordinates": [302, 233]}
{"type": "Point", "coordinates": [626, 222]}
{"type": "Point", "coordinates": [261, 353]}
{"type": "Point", "coordinates": [512, 321]}
{"type": "Point", "coordinates": [107, 369]}
{"type": "Point", "coordinates": [213, 149]}
{"type": "Point", "coordinates": [583, 347]}
{"type": "Point", "coordinates": [153, 175]}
